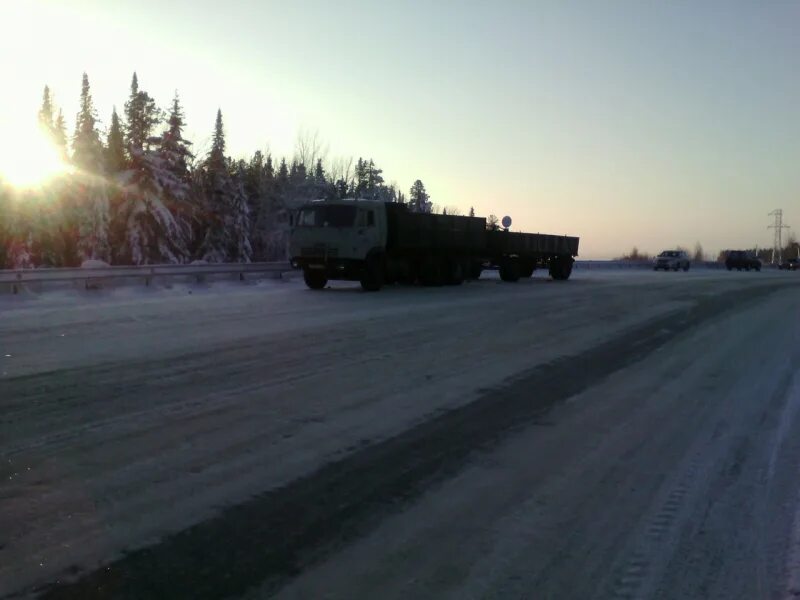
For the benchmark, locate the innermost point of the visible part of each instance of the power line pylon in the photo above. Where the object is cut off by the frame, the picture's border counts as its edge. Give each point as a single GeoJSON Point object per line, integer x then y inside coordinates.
{"type": "Point", "coordinates": [778, 226]}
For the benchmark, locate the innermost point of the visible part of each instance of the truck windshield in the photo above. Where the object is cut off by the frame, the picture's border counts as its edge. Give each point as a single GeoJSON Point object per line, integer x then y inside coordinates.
{"type": "Point", "coordinates": [327, 216]}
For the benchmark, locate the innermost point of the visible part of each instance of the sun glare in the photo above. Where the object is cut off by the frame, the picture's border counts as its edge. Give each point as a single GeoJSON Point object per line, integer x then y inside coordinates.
{"type": "Point", "coordinates": [28, 157]}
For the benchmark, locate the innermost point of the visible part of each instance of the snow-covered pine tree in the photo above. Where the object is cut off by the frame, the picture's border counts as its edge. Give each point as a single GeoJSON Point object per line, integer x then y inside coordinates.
{"type": "Point", "coordinates": [238, 225]}
{"type": "Point", "coordinates": [173, 146]}
{"type": "Point", "coordinates": [154, 189]}
{"type": "Point", "coordinates": [141, 117]}
{"type": "Point", "coordinates": [283, 174]}
{"type": "Point", "coordinates": [115, 146]}
{"type": "Point", "coordinates": [273, 226]}
{"type": "Point", "coordinates": [214, 178]}
{"type": "Point", "coordinates": [46, 117]}
{"type": "Point", "coordinates": [227, 236]}
{"type": "Point", "coordinates": [60, 134]}
{"type": "Point", "coordinates": [254, 174]}
{"type": "Point", "coordinates": [361, 178]}
{"type": "Point", "coordinates": [375, 187]}
{"type": "Point", "coordinates": [270, 234]}
{"type": "Point", "coordinates": [418, 198]}
{"type": "Point", "coordinates": [89, 190]}
{"type": "Point", "coordinates": [174, 151]}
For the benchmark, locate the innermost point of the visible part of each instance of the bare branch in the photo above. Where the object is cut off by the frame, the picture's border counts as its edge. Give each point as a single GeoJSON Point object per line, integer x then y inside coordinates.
{"type": "Point", "coordinates": [309, 149]}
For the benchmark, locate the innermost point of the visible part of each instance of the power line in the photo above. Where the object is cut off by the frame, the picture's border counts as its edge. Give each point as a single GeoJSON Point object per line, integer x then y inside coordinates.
{"type": "Point", "coordinates": [778, 226]}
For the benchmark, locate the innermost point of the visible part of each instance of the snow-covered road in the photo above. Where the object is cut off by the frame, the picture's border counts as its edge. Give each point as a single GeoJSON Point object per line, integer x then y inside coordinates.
{"type": "Point", "coordinates": [624, 434]}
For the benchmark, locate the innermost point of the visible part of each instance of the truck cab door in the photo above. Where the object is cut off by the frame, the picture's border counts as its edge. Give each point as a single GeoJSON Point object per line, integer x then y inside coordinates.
{"type": "Point", "coordinates": [367, 233]}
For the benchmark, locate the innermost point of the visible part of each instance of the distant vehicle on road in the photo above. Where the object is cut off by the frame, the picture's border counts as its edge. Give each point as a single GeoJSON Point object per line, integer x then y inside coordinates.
{"type": "Point", "coordinates": [790, 264]}
{"type": "Point", "coordinates": [740, 259]}
{"type": "Point", "coordinates": [672, 260]}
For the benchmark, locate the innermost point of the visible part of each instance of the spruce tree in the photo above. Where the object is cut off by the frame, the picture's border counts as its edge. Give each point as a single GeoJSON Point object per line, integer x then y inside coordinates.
{"type": "Point", "coordinates": [319, 173]}
{"type": "Point", "coordinates": [216, 156]}
{"type": "Point", "coordinates": [154, 209]}
{"type": "Point", "coordinates": [283, 174]}
{"type": "Point", "coordinates": [60, 134]}
{"type": "Point", "coordinates": [46, 121]}
{"type": "Point", "coordinates": [90, 194]}
{"type": "Point", "coordinates": [115, 146]}
{"type": "Point", "coordinates": [227, 237]}
{"type": "Point", "coordinates": [419, 200]}
{"type": "Point", "coordinates": [361, 176]}
{"type": "Point", "coordinates": [141, 117]}
{"type": "Point", "coordinates": [174, 149]}
{"type": "Point", "coordinates": [87, 149]}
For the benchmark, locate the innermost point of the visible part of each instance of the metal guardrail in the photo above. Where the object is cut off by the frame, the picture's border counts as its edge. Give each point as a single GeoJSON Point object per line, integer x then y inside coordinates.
{"type": "Point", "coordinates": [94, 275]}
{"type": "Point", "coordinates": [636, 264]}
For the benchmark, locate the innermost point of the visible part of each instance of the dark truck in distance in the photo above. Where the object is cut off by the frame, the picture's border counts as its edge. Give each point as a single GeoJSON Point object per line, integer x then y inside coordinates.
{"type": "Point", "coordinates": [740, 259]}
{"type": "Point", "coordinates": [672, 259]}
{"type": "Point", "coordinates": [790, 264]}
{"type": "Point", "coordinates": [379, 243]}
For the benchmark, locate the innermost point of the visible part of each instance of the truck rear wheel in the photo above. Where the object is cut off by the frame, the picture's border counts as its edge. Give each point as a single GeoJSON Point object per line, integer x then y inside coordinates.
{"type": "Point", "coordinates": [315, 278]}
{"type": "Point", "coordinates": [509, 270]}
{"type": "Point", "coordinates": [561, 268]}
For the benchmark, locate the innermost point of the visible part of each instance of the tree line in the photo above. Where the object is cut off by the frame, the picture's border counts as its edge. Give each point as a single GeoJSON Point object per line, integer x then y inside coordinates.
{"type": "Point", "coordinates": [792, 249]}
{"type": "Point", "coordinates": [136, 193]}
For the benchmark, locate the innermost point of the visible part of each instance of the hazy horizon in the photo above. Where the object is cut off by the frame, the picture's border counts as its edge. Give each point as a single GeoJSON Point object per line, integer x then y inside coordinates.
{"type": "Point", "coordinates": [628, 125]}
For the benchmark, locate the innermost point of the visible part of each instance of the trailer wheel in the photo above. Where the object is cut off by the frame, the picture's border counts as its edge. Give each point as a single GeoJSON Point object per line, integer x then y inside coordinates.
{"type": "Point", "coordinates": [509, 270]}
{"type": "Point", "coordinates": [561, 268]}
{"type": "Point", "coordinates": [373, 276]}
{"type": "Point", "coordinates": [315, 278]}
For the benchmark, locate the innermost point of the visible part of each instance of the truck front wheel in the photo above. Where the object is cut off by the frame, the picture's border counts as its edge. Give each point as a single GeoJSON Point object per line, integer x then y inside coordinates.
{"type": "Point", "coordinates": [315, 278]}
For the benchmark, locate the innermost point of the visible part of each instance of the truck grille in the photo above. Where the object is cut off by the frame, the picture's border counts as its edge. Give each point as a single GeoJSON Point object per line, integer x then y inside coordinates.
{"type": "Point", "coordinates": [319, 251]}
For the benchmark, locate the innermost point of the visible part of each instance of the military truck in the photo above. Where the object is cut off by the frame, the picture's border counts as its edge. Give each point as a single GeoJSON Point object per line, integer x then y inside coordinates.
{"type": "Point", "coordinates": [379, 243]}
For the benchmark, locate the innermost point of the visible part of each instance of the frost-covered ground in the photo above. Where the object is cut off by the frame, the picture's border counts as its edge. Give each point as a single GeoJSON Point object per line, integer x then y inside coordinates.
{"type": "Point", "coordinates": [661, 452]}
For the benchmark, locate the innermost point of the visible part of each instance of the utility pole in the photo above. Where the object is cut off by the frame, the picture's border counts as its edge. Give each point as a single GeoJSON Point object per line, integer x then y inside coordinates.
{"type": "Point", "coordinates": [778, 226]}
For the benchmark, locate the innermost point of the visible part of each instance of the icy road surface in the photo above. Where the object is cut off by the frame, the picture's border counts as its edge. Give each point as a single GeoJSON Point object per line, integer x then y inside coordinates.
{"type": "Point", "coordinates": [620, 435]}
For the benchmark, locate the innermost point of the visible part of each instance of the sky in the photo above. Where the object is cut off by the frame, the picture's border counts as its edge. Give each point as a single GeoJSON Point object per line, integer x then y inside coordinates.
{"type": "Point", "coordinates": [626, 122]}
